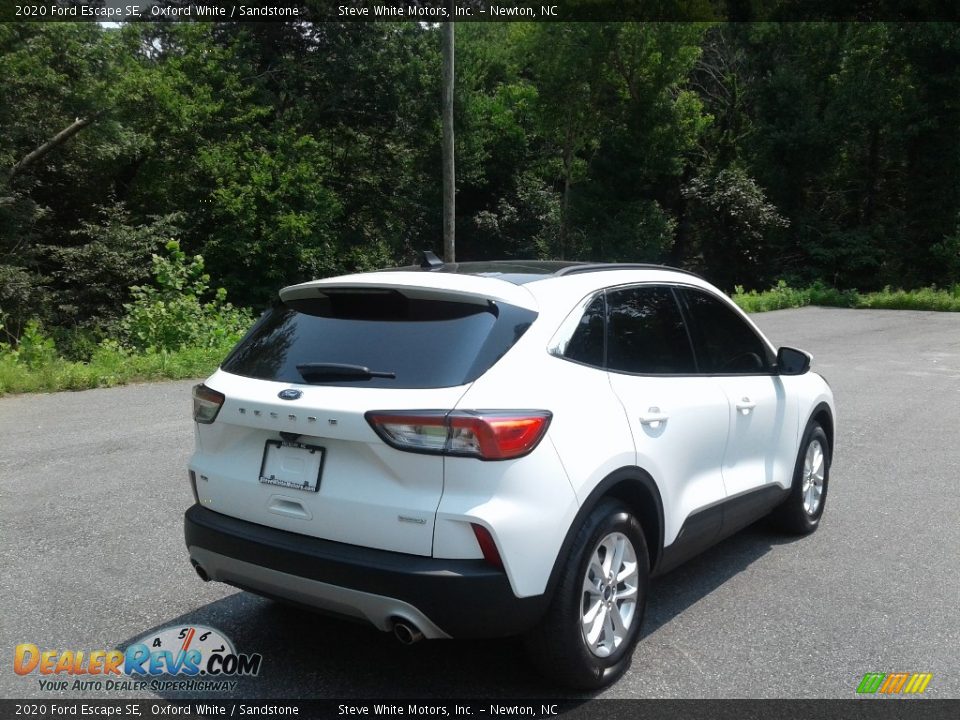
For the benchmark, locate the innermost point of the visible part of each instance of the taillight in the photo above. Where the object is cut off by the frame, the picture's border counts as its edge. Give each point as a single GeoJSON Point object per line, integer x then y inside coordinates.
{"type": "Point", "coordinates": [206, 404]}
{"type": "Point", "coordinates": [484, 434]}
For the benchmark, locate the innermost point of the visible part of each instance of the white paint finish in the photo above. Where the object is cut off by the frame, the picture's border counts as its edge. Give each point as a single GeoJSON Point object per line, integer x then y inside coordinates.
{"type": "Point", "coordinates": [526, 504]}
{"type": "Point", "coordinates": [683, 453]}
{"type": "Point", "coordinates": [761, 448]}
{"type": "Point", "coordinates": [445, 286]}
{"type": "Point", "coordinates": [365, 485]}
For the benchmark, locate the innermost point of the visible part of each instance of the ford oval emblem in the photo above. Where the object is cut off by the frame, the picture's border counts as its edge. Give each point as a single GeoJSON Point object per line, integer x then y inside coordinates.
{"type": "Point", "coordinates": [289, 394]}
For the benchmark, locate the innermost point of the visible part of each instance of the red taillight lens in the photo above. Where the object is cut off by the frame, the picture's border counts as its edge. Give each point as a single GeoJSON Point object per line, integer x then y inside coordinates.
{"type": "Point", "coordinates": [488, 435]}
{"type": "Point", "coordinates": [496, 437]}
{"type": "Point", "coordinates": [206, 404]}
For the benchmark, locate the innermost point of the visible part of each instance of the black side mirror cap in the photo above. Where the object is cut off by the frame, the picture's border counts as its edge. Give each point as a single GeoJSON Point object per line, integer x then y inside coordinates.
{"type": "Point", "coordinates": [791, 361]}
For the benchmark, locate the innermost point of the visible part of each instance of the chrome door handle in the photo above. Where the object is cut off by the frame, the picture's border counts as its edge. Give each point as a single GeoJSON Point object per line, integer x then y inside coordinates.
{"type": "Point", "coordinates": [745, 406]}
{"type": "Point", "coordinates": [653, 417]}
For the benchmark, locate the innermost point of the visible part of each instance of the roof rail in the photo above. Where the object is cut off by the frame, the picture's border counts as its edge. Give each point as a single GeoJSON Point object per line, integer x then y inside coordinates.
{"type": "Point", "coordinates": [596, 267]}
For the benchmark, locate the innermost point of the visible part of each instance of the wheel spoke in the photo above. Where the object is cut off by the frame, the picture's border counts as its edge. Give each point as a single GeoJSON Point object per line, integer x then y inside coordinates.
{"type": "Point", "coordinates": [595, 571]}
{"type": "Point", "coordinates": [629, 591]}
{"type": "Point", "coordinates": [609, 628]}
{"type": "Point", "coordinates": [628, 571]}
{"type": "Point", "coordinates": [591, 614]}
{"type": "Point", "coordinates": [608, 550]}
{"type": "Point", "coordinates": [619, 629]}
{"type": "Point", "coordinates": [618, 548]}
{"type": "Point", "coordinates": [596, 626]}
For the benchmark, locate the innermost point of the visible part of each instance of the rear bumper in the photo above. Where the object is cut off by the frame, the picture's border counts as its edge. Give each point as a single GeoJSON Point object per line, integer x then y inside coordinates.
{"type": "Point", "coordinates": [443, 598]}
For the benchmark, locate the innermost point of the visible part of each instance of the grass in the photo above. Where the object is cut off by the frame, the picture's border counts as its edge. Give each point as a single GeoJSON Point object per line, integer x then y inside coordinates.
{"type": "Point", "coordinates": [783, 296]}
{"type": "Point", "coordinates": [107, 367]}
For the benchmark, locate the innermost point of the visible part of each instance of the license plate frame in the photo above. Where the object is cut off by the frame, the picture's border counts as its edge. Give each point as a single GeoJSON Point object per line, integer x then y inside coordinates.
{"type": "Point", "coordinates": [274, 472]}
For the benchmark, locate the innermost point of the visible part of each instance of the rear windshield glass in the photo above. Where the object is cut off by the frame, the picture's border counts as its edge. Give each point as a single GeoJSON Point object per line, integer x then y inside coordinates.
{"type": "Point", "coordinates": [423, 343]}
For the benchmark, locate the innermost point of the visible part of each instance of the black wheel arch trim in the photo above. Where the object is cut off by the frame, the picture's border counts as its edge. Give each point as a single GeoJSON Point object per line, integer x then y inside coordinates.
{"type": "Point", "coordinates": [628, 478]}
{"type": "Point", "coordinates": [822, 408]}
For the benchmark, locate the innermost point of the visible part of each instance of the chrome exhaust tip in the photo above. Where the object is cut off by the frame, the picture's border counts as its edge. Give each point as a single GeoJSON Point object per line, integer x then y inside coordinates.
{"type": "Point", "coordinates": [406, 633]}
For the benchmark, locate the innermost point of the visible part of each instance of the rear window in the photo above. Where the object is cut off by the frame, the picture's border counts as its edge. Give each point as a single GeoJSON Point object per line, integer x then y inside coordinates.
{"type": "Point", "coordinates": [423, 343]}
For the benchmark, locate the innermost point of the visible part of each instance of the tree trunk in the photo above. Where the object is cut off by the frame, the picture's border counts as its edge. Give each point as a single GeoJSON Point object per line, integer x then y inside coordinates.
{"type": "Point", "coordinates": [564, 210]}
{"type": "Point", "coordinates": [58, 139]}
{"type": "Point", "coordinates": [568, 152]}
{"type": "Point", "coordinates": [873, 172]}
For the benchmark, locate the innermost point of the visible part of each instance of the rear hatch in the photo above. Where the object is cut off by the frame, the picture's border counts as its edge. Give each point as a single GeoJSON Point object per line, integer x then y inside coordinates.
{"type": "Point", "coordinates": [291, 448]}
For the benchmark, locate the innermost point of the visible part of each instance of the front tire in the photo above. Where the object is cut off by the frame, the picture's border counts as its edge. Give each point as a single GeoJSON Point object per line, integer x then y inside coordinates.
{"type": "Point", "coordinates": [801, 512]}
{"type": "Point", "coordinates": [587, 637]}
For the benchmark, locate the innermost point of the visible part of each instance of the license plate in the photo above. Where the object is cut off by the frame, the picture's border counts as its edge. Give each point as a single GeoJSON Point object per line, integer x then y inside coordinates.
{"type": "Point", "coordinates": [292, 465]}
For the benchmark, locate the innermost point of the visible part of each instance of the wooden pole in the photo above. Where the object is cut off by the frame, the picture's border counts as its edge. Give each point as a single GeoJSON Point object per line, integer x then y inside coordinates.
{"type": "Point", "coordinates": [449, 170]}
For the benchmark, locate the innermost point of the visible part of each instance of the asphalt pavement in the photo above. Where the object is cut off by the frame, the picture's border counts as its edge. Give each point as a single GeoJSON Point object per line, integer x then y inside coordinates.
{"type": "Point", "coordinates": [93, 487]}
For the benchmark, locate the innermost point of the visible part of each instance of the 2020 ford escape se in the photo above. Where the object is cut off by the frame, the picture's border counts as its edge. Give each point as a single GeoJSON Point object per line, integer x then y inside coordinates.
{"type": "Point", "coordinates": [500, 448]}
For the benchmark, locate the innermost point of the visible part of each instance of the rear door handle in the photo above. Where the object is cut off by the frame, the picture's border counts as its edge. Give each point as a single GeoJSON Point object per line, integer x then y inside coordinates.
{"type": "Point", "coordinates": [653, 417]}
{"type": "Point", "coordinates": [746, 406]}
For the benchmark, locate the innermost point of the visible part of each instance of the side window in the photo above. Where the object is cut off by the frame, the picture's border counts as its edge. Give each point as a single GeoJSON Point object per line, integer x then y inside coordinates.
{"type": "Point", "coordinates": [646, 332]}
{"type": "Point", "coordinates": [586, 342]}
{"type": "Point", "coordinates": [724, 342]}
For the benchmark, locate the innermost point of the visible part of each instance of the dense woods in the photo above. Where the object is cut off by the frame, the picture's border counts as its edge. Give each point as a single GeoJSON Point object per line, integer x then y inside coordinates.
{"type": "Point", "coordinates": [280, 152]}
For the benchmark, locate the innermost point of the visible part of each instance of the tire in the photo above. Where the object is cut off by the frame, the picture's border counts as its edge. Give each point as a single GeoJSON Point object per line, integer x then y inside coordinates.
{"type": "Point", "coordinates": [801, 512]}
{"type": "Point", "coordinates": [591, 654]}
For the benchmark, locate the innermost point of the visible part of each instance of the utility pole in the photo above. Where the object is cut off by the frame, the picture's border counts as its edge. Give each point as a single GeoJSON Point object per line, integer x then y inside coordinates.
{"type": "Point", "coordinates": [449, 176]}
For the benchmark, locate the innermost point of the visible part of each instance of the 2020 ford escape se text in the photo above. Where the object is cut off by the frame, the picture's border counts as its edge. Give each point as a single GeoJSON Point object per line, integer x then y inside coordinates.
{"type": "Point", "coordinates": [499, 448]}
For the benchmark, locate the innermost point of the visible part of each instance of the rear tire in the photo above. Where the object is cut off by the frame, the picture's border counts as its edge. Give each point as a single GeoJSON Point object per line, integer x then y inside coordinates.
{"type": "Point", "coordinates": [801, 512]}
{"type": "Point", "coordinates": [587, 637]}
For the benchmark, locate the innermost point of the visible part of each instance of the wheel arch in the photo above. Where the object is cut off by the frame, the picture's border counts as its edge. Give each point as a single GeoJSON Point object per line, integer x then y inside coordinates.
{"type": "Point", "coordinates": [822, 415]}
{"type": "Point", "coordinates": [636, 489]}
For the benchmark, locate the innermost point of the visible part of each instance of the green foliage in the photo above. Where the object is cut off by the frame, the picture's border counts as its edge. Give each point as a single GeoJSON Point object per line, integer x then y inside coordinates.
{"type": "Point", "coordinates": [113, 253]}
{"type": "Point", "coordinates": [173, 315]}
{"type": "Point", "coordinates": [109, 366]}
{"type": "Point", "coordinates": [782, 296]}
{"type": "Point", "coordinates": [820, 153]}
{"type": "Point", "coordinates": [175, 328]}
{"type": "Point", "coordinates": [730, 220]}
{"type": "Point", "coordinates": [930, 298]}
{"type": "Point", "coordinates": [33, 350]}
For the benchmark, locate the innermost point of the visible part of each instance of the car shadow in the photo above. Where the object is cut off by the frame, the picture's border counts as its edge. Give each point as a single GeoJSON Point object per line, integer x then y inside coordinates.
{"type": "Point", "coordinates": [674, 592]}
{"type": "Point", "coordinates": [307, 655]}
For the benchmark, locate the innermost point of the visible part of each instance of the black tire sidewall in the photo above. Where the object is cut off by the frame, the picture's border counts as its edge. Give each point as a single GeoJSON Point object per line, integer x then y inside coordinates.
{"type": "Point", "coordinates": [810, 522]}
{"type": "Point", "coordinates": [608, 517]}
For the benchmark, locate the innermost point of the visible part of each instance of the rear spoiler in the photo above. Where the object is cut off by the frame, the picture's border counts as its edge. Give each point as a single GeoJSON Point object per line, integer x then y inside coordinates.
{"type": "Point", "coordinates": [472, 289]}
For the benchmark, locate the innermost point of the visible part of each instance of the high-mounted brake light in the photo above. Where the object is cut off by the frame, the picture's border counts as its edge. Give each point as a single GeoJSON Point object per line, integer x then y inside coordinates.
{"type": "Point", "coordinates": [484, 434]}
{"type": "Point", "coordinates": [206, 404]}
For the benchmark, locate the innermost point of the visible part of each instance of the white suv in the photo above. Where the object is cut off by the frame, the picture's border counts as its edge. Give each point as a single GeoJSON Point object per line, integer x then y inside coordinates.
{"type": "Point", "coordinates": [500, 448]}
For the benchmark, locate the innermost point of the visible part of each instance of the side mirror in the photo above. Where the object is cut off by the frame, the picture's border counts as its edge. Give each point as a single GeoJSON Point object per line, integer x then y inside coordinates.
{"type": "Point", "coordinates": [791, 361]}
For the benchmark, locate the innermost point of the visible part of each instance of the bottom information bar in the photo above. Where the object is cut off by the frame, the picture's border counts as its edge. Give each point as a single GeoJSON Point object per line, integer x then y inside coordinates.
{"type": "Point", "coordinates": [853, 709]}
